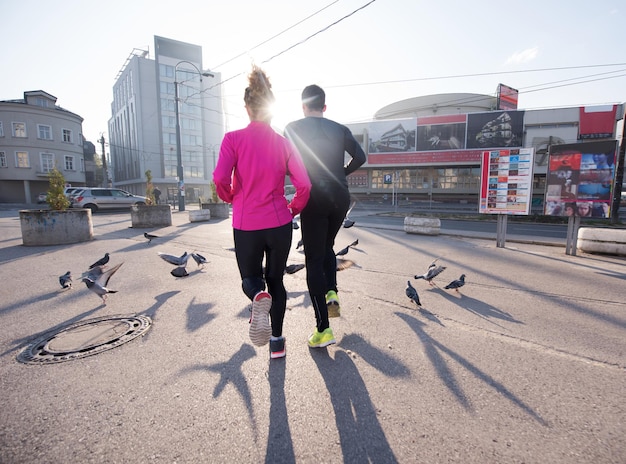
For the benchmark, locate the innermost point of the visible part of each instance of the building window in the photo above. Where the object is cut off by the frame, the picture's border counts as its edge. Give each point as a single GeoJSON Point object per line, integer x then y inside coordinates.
{"type": "Point", "coordinates": [82, 165]}
{"type": "Point", "coordinates": [1, 130]}
{"type": "Point", "coordinates": [22, 159]}
{"type": "Point", "coordinates": [166, 70]}
{"type": "Point", "coordinates": [188, 124]}
{"type": "Point", "coordinates": [67, 135]}
{"type": "Point", "coordinates": [171, 170]}
{"type": "Point", "coordinates": [193, 140]}
{"type": "Point", "coordinates": [45, 132]}
{"type": "Point", "coordinates": [19, 129]}
{"type": "Point", "coordinates": [47, 162]}
{"type": "Point", "coordinates": [169, 138]}
{"type": "Point", "coordinates": [40, 101]}
{"type": "Point", "coordinates": [168, 104]}
{"type": "Point", "coordinates": [166, 88]}
{"type": "Point", "coordinates": [169, 121]}
{"type": "Point", "coordinates": [3, 160]}
{"type": "Point", "coordinates": [69, 163]}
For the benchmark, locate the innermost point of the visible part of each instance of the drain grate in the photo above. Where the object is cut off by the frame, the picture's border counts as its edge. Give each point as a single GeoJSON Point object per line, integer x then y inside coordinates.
{"type": "Point", "coordinates": [84, 338]}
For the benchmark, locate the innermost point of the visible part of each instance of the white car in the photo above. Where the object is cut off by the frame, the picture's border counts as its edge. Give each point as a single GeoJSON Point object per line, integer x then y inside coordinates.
{"type": "Point", "coordinates": [106, 198]}
{"type": "Point", "coordinates": [290, 191]}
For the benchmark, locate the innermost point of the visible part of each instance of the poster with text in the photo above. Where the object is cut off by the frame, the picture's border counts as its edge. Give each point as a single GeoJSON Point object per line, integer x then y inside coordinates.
{"type": "Point", "coordinates": [506, 181]}
{"type": "Point", "coordinates": [580, 179]}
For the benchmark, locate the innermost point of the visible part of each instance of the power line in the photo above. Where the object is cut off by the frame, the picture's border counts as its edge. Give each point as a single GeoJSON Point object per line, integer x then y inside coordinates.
{"type": "Point", "coordinates": [320, 31]}
{"type": "Point", "coordinates": [277, 35]}
{"type": "Point", "coordinates": [458, 76]}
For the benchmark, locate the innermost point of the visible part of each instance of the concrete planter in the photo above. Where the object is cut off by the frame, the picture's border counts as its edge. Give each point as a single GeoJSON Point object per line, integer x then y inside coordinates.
{"type": "Point", "coordinates": [218, 210]}
{"type": "Point", "coordinates": [48, 227]}
{"type": "Point", "coordinates": [144, 216]}
{"type": "Point", "coordinates": [602, 240]}
{"type": "Point", "coordinates": [422, 225]}
{"type": "Point", "coordinates": [199, 215]}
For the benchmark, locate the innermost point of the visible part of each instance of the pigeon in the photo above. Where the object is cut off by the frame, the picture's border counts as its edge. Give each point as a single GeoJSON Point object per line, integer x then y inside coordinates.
{"type": "Point", "coordinates": [149, 236]}
{"type": "Point", "coordinates": [101, 262]}
{"type": "Point", "coordinates": [343, 264]}
{"type": "Point", "coordinates": [432, 272]}
{"type": "Point", "coordinates": [411, 292]}
{"type": "Point", "coordinates": [66, 280]}
{"type": "Point", "coordinates": [343, 251]}
{"type": "Point", "coordinates": [293, 268]}
{"type": "Point", "coordinates": [179, 271]}
{"type": "Point", "coordinates": [199, 259]}
{"type": "Point", "coordinates": [97, 279]}
{"type": "Point", "coordinates": [456, 284]}
{"type": "Point", "coordinates": [180, 261]}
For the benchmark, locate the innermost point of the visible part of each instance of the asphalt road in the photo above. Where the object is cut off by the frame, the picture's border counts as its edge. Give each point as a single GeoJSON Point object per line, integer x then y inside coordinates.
{"type": "Point", "coordinates": [526, 364]}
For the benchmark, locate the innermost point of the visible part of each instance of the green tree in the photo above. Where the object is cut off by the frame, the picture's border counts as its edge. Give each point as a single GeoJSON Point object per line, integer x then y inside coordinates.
{"type": "Point", "coordinates": [56, 198]}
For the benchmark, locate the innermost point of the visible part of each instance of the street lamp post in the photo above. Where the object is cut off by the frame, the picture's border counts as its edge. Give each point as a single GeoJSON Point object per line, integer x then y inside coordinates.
{"type": "Point", "coordinates": [179, 154]}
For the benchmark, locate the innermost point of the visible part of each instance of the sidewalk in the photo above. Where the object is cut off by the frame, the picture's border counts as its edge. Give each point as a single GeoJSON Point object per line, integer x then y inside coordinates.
{"type": "Point", "coordinates": [525, 364]}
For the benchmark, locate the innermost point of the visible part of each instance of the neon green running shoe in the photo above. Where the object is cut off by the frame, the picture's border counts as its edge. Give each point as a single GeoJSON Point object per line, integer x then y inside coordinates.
{"type": "Point", "coordinates": [321, 339]}
{"type": "Point", "coordinates": [332, 303]}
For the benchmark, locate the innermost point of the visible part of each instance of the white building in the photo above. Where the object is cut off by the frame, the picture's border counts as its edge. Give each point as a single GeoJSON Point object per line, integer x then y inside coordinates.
{"type": "Point", "coordinates": [36, 135]}
{"type": "Point", "coordinates": [142, 129]}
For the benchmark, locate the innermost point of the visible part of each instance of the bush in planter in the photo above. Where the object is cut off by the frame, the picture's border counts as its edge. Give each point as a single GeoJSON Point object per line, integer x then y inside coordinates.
{"type": "Point", "coordinates": [150, 188]}
{"type": "Point", "coordinates": [56, 198]}
{"type": "Point", "coordinates": [214, 197]}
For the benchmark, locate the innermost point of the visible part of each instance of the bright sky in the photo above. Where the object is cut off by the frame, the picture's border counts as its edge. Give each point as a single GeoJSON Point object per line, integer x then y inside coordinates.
{"type": "Point", "coordinates": [387, 50]}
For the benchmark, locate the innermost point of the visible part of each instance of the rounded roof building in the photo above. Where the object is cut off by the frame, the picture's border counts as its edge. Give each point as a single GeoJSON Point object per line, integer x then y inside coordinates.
{"type": "Point", "coordinates": [438, 104]}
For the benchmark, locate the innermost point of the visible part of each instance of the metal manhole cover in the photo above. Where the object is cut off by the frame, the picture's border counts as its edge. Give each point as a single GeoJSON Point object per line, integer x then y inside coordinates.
{"type": "Point", "coordinates": [84, 338]}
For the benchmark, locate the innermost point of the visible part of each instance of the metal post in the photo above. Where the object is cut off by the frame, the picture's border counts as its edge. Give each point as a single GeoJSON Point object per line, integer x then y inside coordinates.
{"type": "Point", "coordinates": [105, 179]}
{"type": "Point", "coordinates": [501, 231]}
{"type": "Point", "coordinates": [619, 176]}
{"type": "Point", "coordinates": [179, 154]}
{"type": "Point", "coordinates": [571, 242]}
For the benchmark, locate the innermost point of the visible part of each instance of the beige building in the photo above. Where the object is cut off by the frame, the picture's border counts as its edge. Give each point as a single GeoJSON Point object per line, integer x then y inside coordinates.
{"type": "Point", "coordinates": [37, 135]}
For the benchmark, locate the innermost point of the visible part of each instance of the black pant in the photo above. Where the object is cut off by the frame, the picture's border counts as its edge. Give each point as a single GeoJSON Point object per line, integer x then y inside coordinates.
{"type": "Point", "coordinates": [251, 246]}
{"type": "Point", "coordinates": [321, 220]}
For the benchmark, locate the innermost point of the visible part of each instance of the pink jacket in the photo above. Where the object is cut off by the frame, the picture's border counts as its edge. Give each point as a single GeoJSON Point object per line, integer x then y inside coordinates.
{"type": "Point", "coordinates": [250, 174]}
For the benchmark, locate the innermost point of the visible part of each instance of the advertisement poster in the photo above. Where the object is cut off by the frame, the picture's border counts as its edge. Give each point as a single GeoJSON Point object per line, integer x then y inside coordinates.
{"type": "Point", "coordinates": [392, 136]}
{"type": "Point", "coordinates": [580, 179]}
{"type": "Point", "coordinates": [506, 181]}
{"type": "Point", "coordinates": [495, 129]}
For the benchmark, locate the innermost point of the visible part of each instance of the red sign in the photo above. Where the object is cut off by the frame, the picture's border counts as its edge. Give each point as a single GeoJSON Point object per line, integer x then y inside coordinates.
{"type": "Point", "coordinates": [596, 122]}
{"type": "Point", "coordinates": [507, 97]}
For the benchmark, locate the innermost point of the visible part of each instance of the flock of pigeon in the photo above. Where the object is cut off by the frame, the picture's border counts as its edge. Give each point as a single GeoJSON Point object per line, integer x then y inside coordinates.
{"type": "Point", "coordinates": [97, 277]}
{"type": "Point", "coordinates": [433, 271]}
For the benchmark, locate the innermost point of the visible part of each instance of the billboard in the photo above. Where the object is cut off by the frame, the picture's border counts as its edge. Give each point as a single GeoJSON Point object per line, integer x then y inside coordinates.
{"type": "Point", "coordinates": [445, 139]}
{"type": "Point", "coordinates": [507, 97]}
{"type": "Point", "coordinates": [497, 129]}
{"type": "Point", "coordinates": [395, 136]}
{"type": "Point", "coordinates": [596, 122]}
{"type": "Point", "coordinates": [580, 179]}
{"type": "Point", "coordinates": [506, 181]}
{"type": "Point", "coordinates": [441, 132]}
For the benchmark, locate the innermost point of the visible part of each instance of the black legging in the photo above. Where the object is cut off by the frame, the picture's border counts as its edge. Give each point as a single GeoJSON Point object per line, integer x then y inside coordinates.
{"type": "Point", "coordinates": [321, 219]}
{"type": "Point", "coordinates": [250, 248]}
